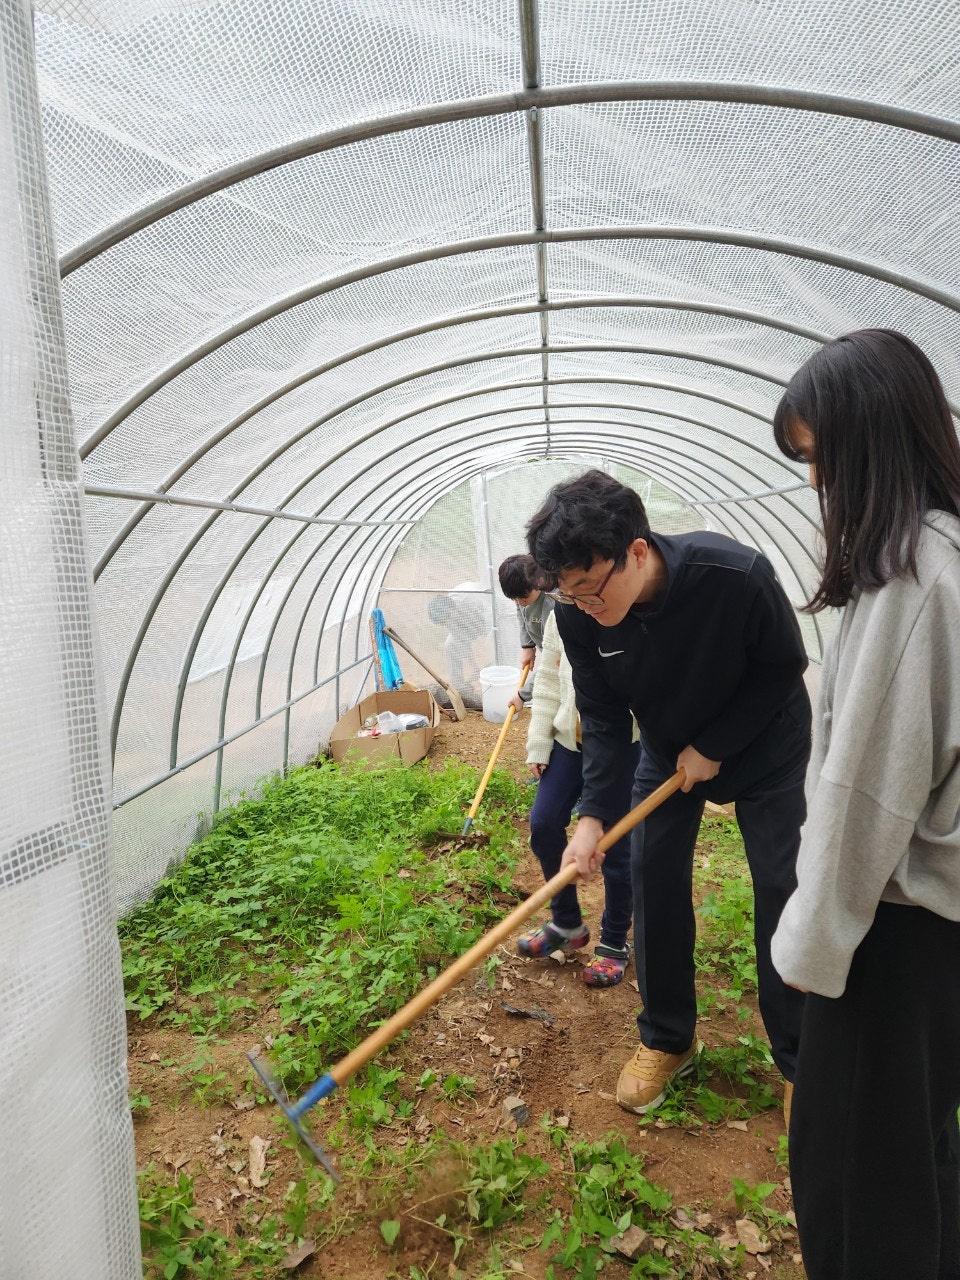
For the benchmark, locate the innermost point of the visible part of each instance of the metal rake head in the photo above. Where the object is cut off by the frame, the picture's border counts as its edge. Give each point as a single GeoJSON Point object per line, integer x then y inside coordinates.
{"type": "Point", "coordinates": [293, 1112]}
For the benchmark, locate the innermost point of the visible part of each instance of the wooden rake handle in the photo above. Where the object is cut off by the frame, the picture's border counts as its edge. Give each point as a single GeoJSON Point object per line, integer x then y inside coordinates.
{"type": "Point", "coordinates": [511, 712]}
{"type": "Point", "coordinates": [389, 631]}
{"type": "Point", "coordinates": [420, 1003]}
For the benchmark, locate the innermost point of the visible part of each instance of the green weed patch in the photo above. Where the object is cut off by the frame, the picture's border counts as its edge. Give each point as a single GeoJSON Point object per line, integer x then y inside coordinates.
{"type": "Point", "coordinates": [724, 953]}
{"type": "Point", "coordinates": [320, 907]}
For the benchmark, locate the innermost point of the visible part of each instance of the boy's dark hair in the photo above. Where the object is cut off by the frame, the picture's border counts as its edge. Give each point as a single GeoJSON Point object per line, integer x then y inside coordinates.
{"type": "Point", "coordinates": [591, 518]}
{"type": "Point", "coordinates": [518, 576]}
{"type": "Point", "coordinates": [885, 451]}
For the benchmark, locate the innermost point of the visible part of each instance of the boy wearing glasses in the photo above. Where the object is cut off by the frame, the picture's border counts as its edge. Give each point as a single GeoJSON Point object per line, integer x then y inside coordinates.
{"type": "Point", "coordinates": [693, 634]}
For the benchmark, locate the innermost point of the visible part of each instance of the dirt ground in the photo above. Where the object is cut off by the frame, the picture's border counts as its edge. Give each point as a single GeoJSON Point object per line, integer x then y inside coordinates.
{"type": "Point", "coordinates": [567, 1065]}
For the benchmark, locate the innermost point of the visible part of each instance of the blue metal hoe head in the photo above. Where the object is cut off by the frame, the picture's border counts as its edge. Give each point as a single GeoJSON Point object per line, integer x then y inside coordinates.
{"type": "Point", "coordinates": [294, 1110]}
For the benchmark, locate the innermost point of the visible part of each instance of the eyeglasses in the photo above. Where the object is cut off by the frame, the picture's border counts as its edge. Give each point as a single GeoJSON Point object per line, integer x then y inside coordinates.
{"type": "Point", "coordinates": [596, 597]}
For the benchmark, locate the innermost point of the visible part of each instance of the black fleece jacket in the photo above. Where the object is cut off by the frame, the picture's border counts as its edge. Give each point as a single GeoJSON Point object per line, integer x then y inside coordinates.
{"type": "Point", "coordinates": [710, 662]}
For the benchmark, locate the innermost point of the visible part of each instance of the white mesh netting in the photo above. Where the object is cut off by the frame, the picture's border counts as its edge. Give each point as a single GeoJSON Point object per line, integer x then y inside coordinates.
{"type": "Point", "coordinates": [344, 288]}
{"type": "Point", "coordinates": [67, 1192]}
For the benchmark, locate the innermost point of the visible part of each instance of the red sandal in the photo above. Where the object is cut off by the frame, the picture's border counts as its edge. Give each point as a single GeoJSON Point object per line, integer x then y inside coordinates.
{"type": "Point", "coordinates": [607, 967]}
{"type": "Point", "coordinates": [538, 943]}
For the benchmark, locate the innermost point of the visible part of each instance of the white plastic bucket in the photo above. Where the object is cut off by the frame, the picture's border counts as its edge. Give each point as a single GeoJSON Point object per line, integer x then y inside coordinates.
{"type": "Point", "coordinates": [497, 687]}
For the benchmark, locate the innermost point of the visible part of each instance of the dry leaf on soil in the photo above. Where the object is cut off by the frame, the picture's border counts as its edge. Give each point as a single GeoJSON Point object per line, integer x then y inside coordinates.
{"type": "Point", "coordinates": [751, 1237]}
{"type": "Point", "coordinates": [258, 1161]}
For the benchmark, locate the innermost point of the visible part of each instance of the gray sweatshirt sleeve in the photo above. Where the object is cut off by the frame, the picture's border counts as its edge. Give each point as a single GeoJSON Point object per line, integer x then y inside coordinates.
{"type": "Point", "coordinates": [884, 747]}
{"type": "Point", "coordinates": [526, 639]}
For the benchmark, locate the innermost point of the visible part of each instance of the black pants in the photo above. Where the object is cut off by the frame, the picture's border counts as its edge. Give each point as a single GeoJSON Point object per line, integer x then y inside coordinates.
{"type": "Point", "coordinates": [767, 785]}
{"type": "Point", "coordinates": [874, 1143]}
{"type": "Point", "coordinates": [558, 792]}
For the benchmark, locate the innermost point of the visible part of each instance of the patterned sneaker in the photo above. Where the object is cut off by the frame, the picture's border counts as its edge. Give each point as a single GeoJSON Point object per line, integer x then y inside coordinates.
{"type": "Point", "coordinates": [643, 1081]}
{"type": "Point", "coordinates": [538, 943]}
{"type": "Point", "coordinates": [607, 966]}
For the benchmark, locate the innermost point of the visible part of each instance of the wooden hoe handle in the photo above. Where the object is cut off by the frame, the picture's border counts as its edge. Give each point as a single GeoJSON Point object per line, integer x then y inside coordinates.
{"type": "Point", "coordinates": [380, 1038]}
{"type": "Point", "coordinates": [511, 712]}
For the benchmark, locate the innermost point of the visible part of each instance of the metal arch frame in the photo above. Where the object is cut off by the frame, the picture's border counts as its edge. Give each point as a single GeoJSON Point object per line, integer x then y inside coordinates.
{"type": "Point", "coordinates": [153, 498]}
{"type": "Point", "coordinates": [391, 539]}
{"type": "Point", "coordinates": [749, 497]}
{"type": "Point", "coordinates": [509, 427]}
{"type": "Point", "coordinates": [462, 476]}
{"type": "Point", "coordinates": [707, 235]}
{"type": "Point", "coordinates": [202, 529]}
{"type": "Point", "coordinates": [656, 465]}
{"type": "Point", "coordinates": [481, 358]}
{"type": "Point", "coordinates": [624, 456]}
{"type": "Point", "coordinates": [529, 8]}
{"type": "Point", "coordinates": [500, 427]}
{"type": "Point", "coordinates": [281, 605]}
{"type": "Point", "coordinates": [530, 66]}
{"type": "Point", "coordinates": [433, 431]}
{"type": "Point", "coordinates": [667, 475]}
{"type": "Point", "coordinates": [575, 304]}
{"type": "Point", "coordinates": [436, 430]}
{"type": "Point", "coordinates": [628, 455]}
{"type": "Point", "coordinates": [631, 454]}
{"type": "Point", "coordinates": [740, 527]}
{"type": "Point", "coordinates": [198, 534]}
{"type": "Point", "coordinates": [679, 479]}
{"type": "Point", "coordinates": [533, 97]}
{"type": "Point", "coordinates": [220, 745]}
{"type": "Point", "coordinates": [741, 518]}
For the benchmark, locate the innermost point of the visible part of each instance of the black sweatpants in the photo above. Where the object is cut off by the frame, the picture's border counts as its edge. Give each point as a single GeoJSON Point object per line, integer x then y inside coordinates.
{"type": "Point", "coordinates": [766, 783]}
{"type": "Point", "coordinates": [874, 1143]}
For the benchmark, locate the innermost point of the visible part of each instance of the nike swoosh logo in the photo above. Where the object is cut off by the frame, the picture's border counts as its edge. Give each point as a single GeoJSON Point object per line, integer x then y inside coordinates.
{"type": "Point", "coordinates": [612, 654]}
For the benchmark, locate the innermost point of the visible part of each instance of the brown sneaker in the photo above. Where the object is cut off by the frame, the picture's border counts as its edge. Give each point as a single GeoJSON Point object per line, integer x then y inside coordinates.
{"type": "Point", "coordinates": [643, 1081]}
{"type": "Point", "coordinates": [787, 1103]}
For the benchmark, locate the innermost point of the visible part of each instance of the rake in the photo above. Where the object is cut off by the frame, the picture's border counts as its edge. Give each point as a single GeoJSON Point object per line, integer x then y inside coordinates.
{"type": "Point", "coordinates": [456, 701]}
{"type": "Point", "coordinates": [295, 1110]}
{"type": "Point", "coordinates": [511, 712]}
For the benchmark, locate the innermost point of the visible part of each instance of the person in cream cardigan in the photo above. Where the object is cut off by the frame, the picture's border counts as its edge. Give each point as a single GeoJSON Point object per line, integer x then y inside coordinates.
{"type": "Point", "coordinates": [553, 755]}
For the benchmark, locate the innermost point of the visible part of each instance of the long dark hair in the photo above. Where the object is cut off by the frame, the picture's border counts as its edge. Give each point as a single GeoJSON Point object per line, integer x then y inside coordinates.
{"type": "Point", "coordinates": [885, 451]}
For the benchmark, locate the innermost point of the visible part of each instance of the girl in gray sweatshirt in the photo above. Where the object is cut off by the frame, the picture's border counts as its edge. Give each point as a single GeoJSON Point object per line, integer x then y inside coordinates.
{"type": "Point", "coordinates": [873, 928]}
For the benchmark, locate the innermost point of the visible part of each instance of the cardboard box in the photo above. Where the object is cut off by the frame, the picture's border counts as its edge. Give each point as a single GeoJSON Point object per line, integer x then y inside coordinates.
{"type": "Point", "coordinates": [410, 746]}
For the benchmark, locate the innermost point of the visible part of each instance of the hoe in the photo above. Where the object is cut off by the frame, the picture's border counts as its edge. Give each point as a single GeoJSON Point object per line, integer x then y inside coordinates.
{"type": "Point", "coordinates": [295, 1110]}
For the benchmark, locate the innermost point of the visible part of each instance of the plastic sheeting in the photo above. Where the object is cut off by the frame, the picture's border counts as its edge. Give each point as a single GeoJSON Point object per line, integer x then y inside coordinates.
{"type": "Point", "coordinates": [332, 261]}
{"type": "Point", "coordinates": [67, 1192]}
{"type": "Point", "coordinates": [346, 286]}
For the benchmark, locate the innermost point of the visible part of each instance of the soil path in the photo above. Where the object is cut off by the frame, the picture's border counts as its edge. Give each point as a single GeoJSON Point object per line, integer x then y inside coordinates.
{"type": "Point", "coordinates": [567, 1065]}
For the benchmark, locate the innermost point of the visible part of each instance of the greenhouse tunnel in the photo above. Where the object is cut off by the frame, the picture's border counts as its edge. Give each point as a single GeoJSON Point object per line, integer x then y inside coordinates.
{"type": "Point", "coordinates": [308, 304]}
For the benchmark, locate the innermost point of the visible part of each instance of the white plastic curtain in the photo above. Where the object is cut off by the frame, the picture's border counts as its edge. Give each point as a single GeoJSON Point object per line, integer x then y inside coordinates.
{"type": "Point", "coordinates": [325, 266]}
{"type": "Point", "coordinates": [325, 262]}
{"type": "Point", "coordinates": [67, 1190]}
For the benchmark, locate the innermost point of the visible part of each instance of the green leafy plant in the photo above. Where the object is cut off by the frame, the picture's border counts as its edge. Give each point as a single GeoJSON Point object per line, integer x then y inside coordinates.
{"type": "Point", "coordinates": [318, 900]}
{"type": "Point", "coordinates": [455, 1086]}
{"type": "Point", "coordinates": [390, 1229]}
{"type": "Point", "coordinates": [174, 1238]}
{"type": "Point", "coordinates": [751, 1201]}
{"type": "Point", "coordinates": [724, 948]}
{"type": "Point", "coordinates": [497, 1179]}
{"type": "Point", "coordinates": [611, 1193]}
{"type": "Point", "coordinates": [210, 1084]}
{"type": "Point", "coordinates": [177, 1243]}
